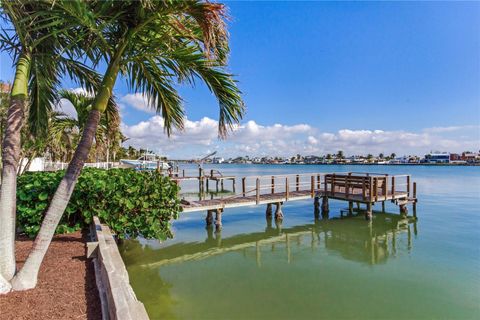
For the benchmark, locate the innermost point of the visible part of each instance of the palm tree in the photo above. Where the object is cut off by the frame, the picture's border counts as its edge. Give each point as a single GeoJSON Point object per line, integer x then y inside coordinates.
{"type": "Point", "coordinates": [109, 127]}
{"type": "Point", "coordinates": [340, 154]}
{"type": "Point", "coordinates": [154, 45]}
{"type": "Point", "coordinates": [43, 41]}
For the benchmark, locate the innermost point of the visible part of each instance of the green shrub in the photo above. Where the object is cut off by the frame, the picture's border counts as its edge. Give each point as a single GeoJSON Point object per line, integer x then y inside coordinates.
{"type": "Point", "coordinates": [131, 203]}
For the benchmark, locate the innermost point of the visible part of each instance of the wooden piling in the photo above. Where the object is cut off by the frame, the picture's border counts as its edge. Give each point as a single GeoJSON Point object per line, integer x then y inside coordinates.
{"type": "Point", "coordinates": [393, 186]}
{"type": "Point", "coordinates": [269, 210]}
{"type": "Point", "coordinates": [278, 211]}
{"type": "Point", "coordinates": [286, 188]}
{"type": "Point", "coordinates": [414, 205]}
{"type": "Point", "coordinates": [350, 207]}
{"type": "Point", "coordinates": [383, 206]}
{"type": "Point", "coordinates": [325, 208]}
{"type": "Point", "coordinates": [273, 184]}
{"type": "Point", "coordinates": [258, 191]}
{"type": "Point", "coordinates": [368, 213]}
{"type": "Point", "coordinates": [312, 186]}
{"type": "Point", "coordinates": [209, 218]}
{"type": "Point", "coordinates": [408, 186]}
{"type": "Point", "coordinates": [243, 186]}
{"type": "Point", "coordinates": [218, 219]}
{"type": "Point", "coordinates": [297, 184]}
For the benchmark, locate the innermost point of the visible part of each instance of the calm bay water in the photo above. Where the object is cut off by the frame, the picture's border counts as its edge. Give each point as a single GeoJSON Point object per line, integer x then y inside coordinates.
{"type": "Point", "coordinates": [331, 268]}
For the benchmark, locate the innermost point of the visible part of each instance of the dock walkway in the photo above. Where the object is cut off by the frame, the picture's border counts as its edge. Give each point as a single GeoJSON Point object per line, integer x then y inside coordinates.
{"type": "Point", "coordinates": [353, 187]}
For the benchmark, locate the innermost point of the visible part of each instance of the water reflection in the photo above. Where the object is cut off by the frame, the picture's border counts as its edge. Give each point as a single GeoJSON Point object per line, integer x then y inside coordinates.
{"type": "Point", "coordinates": [349, 237]}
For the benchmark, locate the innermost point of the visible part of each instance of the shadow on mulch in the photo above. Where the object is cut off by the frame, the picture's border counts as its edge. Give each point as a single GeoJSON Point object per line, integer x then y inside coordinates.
{"type": "Point", "coordinates": [66, 287]}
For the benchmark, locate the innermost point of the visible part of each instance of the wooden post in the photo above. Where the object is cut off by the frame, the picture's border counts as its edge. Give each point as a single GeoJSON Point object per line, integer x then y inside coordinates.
{"type": "Point", "coordinates": [183, 173]}
{"type": "Point", "coordinates": [383, 206]}
{"type": "Point", "coordinates": [273, 184]}
{"type": "Point", "coordinates": [218, 219]}
{"type": "Point", "coordinates": [243, 186]}
{"type": "Point", "coordinates": [268, 212]}
{"type": "Point", "coordinates": [325, 208]}
{"type": "Point", "coordinates": [325, 185]}
{"type": "Point", "coordinates": [286, 188]}
{"type": "Point", "coordinates": [375, 186]}
{"type": "Point", "coordinates": [318, 181]}
{"type": "Point", "coordinates": [297, 182]}
{"type": "Point", "coordinates": [393, 187]}
{"type": "Point", "coordinates": [233, 184]}
{"type": "Point", "coordinates": [350, 207]}
{"type": "Point", "coordinates": [207, 183]}
{"type": "Point", "coordinates": [364, 188]}
{"type": "Point", "coordinates": [209, 219]}
{"type": "Point", "coordinates": [278, 211]}
{"type": "Point", "coordinates": [368, 213]}
{"type": "Point", "coordinates": [312, 186]}
{"type": "Point", "coordinates": [370, 190]}
{"type": "Point", "coordinates": [408, 186]}
{"type": "Point", "coordinates": [414, 199]}
{"type": "Point", "coordinates": [385, 187]}
{"type": "Point", "coordinates": [216, 184]}
{"type": "Point", "coordinates": [221, 182]}
{"type": "Point", "coordinates": [347, 191]}
{"type": "Point", "coordinates": [258, 191]}
{"type": "Point", "coordinates": [200, 181]}
{"type": "Point", "coordinates": [332, 190]}
{"type": "Point", "coordinates": [211, 173]}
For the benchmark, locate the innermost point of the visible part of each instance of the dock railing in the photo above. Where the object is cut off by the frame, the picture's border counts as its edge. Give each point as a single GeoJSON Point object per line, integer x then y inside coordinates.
{"type": "Point", "coordinates": [371, 186]}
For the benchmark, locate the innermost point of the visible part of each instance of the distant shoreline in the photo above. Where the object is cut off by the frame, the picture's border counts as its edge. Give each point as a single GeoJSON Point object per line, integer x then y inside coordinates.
{"type": "Point", "coordinates": [350, 164]}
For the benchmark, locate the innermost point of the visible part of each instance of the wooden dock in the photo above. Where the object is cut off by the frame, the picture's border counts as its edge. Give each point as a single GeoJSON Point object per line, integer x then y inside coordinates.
{"type": "Point", "coordinates": [353, 187]}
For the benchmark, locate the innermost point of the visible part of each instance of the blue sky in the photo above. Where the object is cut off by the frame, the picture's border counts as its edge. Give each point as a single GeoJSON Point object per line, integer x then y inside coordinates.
{"type": "Point", "coordinates": [362, 77]}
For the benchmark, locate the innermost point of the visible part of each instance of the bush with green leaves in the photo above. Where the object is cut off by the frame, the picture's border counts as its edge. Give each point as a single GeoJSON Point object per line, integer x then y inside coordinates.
{"type": "Point", "coordinates": [130, 202]}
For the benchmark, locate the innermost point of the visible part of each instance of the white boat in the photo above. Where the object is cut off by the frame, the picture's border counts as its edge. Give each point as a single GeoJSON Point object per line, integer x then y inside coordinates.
{"type": "Point", "coordinates": [147, 162]}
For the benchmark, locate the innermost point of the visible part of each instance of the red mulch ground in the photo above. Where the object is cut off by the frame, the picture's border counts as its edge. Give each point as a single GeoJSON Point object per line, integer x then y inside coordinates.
{"type": "Point", "coordinates": [66, 286]}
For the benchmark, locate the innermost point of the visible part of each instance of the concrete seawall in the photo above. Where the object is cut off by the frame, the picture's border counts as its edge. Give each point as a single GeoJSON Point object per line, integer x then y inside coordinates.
{"type": "Point", "coordinates": [116, 294]}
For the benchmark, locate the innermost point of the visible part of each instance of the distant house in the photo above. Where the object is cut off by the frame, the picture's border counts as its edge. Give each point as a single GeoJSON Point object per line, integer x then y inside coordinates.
{"type": "Point", "coordinates": [469, 157]}
{"type": "Point", "coordinates": [437, 157]}
{"type": "Point", "coordinates": [218, 160]}
{"type": "Point", "coordinates": [455, 157]}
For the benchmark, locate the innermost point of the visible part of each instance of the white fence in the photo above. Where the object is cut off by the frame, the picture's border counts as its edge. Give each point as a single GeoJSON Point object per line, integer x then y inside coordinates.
{"type": "Point", "coordinates": [40, 164]}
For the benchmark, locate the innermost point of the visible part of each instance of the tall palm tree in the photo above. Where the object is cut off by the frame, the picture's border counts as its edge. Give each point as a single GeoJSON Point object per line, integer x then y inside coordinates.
{"type": "Point", "coordinates": [62, 126]}
{"type": "Point", "coordinates": [43, 41]}
{"type": "Point", "coordinates": [154, 44]}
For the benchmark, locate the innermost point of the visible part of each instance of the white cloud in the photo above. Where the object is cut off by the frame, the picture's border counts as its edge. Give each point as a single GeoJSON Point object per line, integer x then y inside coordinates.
{"type": "Point", "coordinates": [255, 139]}
{"type": "Point", "coordinates": [138, 101]}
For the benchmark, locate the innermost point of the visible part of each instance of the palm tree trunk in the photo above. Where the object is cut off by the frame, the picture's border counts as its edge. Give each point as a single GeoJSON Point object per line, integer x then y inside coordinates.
{"type": "Point", "coordinates": [27, 277]}
{"type": "Point", "coordinates": [10, 156]}
{"type": "Point", "coordinates": [29, 162]}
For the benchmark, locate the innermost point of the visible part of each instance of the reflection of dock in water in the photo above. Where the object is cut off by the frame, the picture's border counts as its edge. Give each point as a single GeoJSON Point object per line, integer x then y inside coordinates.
{"type": "Point", "coordinates": [350, 237]}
